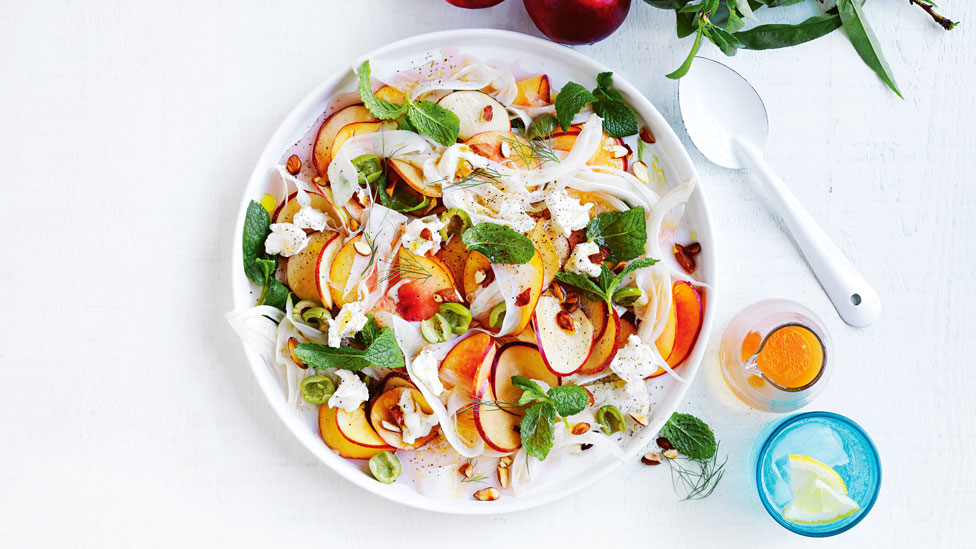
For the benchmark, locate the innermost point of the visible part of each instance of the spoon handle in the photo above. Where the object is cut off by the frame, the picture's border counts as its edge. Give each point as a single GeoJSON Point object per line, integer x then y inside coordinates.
{"type": "Point", "coordinates": [855, 300]}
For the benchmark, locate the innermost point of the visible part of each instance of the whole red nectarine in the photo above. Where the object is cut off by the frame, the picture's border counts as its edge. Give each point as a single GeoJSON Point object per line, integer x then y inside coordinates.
{"type": "Point", "coordinates": [577, 21]}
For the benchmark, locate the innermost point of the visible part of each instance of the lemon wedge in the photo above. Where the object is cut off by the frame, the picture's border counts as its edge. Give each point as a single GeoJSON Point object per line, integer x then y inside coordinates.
{"type": "Point", "coordinates": [819, 494]}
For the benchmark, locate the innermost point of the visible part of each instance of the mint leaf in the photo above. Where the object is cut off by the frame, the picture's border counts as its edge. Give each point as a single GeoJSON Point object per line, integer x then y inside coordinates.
{"type": "Point", "coordinates": [568, 399]}
{"type": "Point", "coordinates": [434, 120]}
{"type": "Point", "coordinates": [542, 126]}
{"type": "Point", "coordinates": [690, 436]}
{"type": "Point", "coordinates": [605, 279]}
{"type": "Point", "coordinates": [259, 268]}
{"type": "Point", "coordinates": [537, 431]}
{"type": "Point", "coordinates": [400, 200]}
{"type": "Point", "coordinates": [618, 120]}
{"type": "Point", "coordinates": [323, 357]}
{"type": "Point", "coordinates": [531, 391]}
{"type": "Point", "coordinates": [499, 243]}
{"type": "Point", "coordinates": [587, 287]}
{"type": "Point", "coordinates": [623, 233]}
{"type": "Point", "coordinates": [641, 263]}
{"type": "Point", "coordinates": [570, 101]}
{"type": "Point", "coordinates": [369, 332]}
{"type": "Point", "coordinates": [604, 80]}
{"type": "Point", "coordinates": [382, 109]}
{"type": "Point", "coordinates": [384, 351]}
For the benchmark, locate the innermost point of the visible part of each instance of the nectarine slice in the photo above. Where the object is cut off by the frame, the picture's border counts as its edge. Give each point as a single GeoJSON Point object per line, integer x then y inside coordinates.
{"type": "Point", "coordinates": [607, 342]}
{"type": "Point", "coordinates": [518, 359]}
{"type": "Point", "coordinates": [359, 128]}
{"type": "Point", "coordinates": [333, 437]}
{"type": "Point", "coordinates": [563, 351]}
{"type": "Point", "coordinates": [322, 149]}
{"type": "Point", "coordinates": [468, 363]}
{"type": "Point", "coordinates": [300, 270]}
{"type": "Point", "coordinates": [605, 155]}
{"type": "Point", "coordinates": [496, 426]}
{"type": "Point", "coordinates": [414, 177]}
{"type": "Point", "coordinates": [688, 309]}
{"type": "Point", "coordinates": [489, 145]}
{"type": "Point", "coordinates": [477, 112]}
{"type": "Point", "coordinates": [532, 92]}
{"type": "Point", "coordinates": [383, 411]}
{"type": "Point", "coordinates": [420, 278]}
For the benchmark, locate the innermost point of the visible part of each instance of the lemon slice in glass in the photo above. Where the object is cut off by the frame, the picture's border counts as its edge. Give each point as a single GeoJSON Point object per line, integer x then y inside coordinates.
{"type": "Point", "coordinates": [819, 494]}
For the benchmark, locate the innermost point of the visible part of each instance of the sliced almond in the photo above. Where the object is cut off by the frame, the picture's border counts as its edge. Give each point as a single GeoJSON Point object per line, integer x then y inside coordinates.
{"type": "Point", "coordinates": [389, 426]}
{"type": "Point", "coordinates": [503, 475]}
{"type": "Point", "coordinates": [361, 198]}
{"type": "Point", "coordinates": [639, 418]}
{"type": "Point", "coordinates": [651, 458]}
{"type": "Point", "coordinates": [292, 343]}
{"type": "Point", "coordinates": [671, 454]}
{"type": "Point", "coordinates": [620, 151]}
{"type": "Point", "coordinates": [294, 164]}
{"type": "Point", "coordinates": [362, 248]}
{"type": "Point", "coordinates": [480, 276]}
{"type": "Point", "coordinates": [505, 149]}
{"type": "Point", "coordinates": [466, 470]}
{"type": "Point", "coordinates": [640, 172]}
{"type": "Point", "coordinates": [504, 461]}
{"type": "Point", "coordinates": [581, 428]}
{"type": "Point", "coordinates": [486, 494]}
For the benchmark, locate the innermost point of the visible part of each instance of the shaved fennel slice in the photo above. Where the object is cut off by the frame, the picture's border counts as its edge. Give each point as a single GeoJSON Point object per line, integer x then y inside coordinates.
{"type": "Point", "coordinates": [586, 144]}
{"type": "Point", "coordinates": [381, 233]}
{"type": "Point", "coordinates": [509, 277]}
{"type": "Point", "coordinates": [343, 177]}
{"type": "Point", "coordinates": [410, 340]}
{"type": "Point", "coordinates": [257, 326]}
{"type": "Point", "coordinates": [526, 468]}
{"type": "Point", "coordinates": [485, 299]}
{"type": "Point", "coordinates": [311, 333]}
{"type": "Point", "coordinates": [500, 83]}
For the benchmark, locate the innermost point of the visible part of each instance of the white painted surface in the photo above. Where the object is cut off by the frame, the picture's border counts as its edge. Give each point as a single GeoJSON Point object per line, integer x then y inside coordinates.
{"type": "Point", "coordinates": [127, 415]}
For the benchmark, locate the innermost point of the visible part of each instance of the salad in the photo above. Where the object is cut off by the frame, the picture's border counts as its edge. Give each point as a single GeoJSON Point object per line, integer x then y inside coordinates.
{"type": "Point", "coordinates": [471, 273]}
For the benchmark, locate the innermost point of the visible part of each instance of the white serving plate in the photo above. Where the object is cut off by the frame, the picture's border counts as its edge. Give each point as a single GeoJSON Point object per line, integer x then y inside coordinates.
{"type": "Point", "coordinates": [532, 56]}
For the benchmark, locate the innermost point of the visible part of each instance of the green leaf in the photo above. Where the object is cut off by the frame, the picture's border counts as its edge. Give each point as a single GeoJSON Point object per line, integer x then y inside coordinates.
{"type": "Point", "coordinates": [323, 357]}
{"type": "Point", "coordinates": [434, 120]}
{"type": "Point", "coordinates": [568, 399]}
{"type": "Point", "coordinates": [618, 120]}
{"type": "Point", "coordinates": [382, 109]}
{"type": "Point", "coordinates": [542, 126]}
{"type": "Point", "coordinates": [725, 41]}
{"type": "Point", "coordinates": [743, 7]}
{"type": "Point", "coordinates": [537, 430]}
{"type": "Point", "coordinates": [499, 243]}
{"type": "Point", "coordinates": [384, 351]}
{"type": "Point", "coordinates": [259, 269]}
{"type": "Point", "coordinates": [604, 79]}
{"type": "Point", "coordinates": [690, 436]}
{"type": "Point", "coordinates": [587, 287]}
{"type": "Point", "coordinates": [605, 279]}
{"type": "Point", "coordinates": [369, 332]}
{"type": "Point", "coordinates": [683, 69]}
{"type": "Point", "coordinates": [400, 199]}
{"type": "Point", "coordinates": [570, 101]}
{"type": "Point", "coordinates": [531, 391]}
{"type": "Point", "coordinates": [273, 293]}
{"type": "Point", "coordinates": [641, 263]}
{"type": "Point", "coordinates": [767, 37]}
{"type": "Point", "coordinates": [865, 42]}
{"type": "Point", "coordinates": [668, 4]}
{"type": "Point", "coordinates": [623, 233]}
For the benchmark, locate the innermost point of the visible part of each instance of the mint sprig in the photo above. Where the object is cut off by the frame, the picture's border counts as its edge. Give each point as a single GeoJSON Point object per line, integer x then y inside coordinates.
{"type": "Point", "coordinates": [690, 436]}
{"type": "Point", "coordinates": [623, 233]}
{"type": "Point", "coordinates": [606, 284]}
{"type": "Point", "coordinates": [424, 117]}
{"type": "Point", "coordinates": [259, 268]}
{"type": "Point", "coordinates": [537, 428]}
{"type": "Point", "coordinates": [382, 351]}
{"type": "Point", "coordinates": [608, 102]}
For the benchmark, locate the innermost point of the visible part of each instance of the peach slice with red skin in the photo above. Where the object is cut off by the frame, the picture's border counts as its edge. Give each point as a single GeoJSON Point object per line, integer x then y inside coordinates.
{"type": "Point", "coordinates": [358, 440]}
{"type": "Point", "coordinates": [454, 254]}
{"type": "Point", "coordinates": [468, 362]}
{"type": "Point", "coordinates": [605, 154]}
{"type": "Point", "coordinates": [322, 149]}
{"type": "Point", "coordinates": [301, 268]}
{"type": "Point", "coordinates": [285, 212]}
{"type": "Point", "coordinates": [496, 426]}
{"type": "Point", "coordinates": [489, 145]}
{"type": "Point", "coordinates": [341, 269]}
{"type": "Point", "coordinates": [323, 266]}
{"type": "Point", "coordinates": [532, 92]}
{"type": "Point", "coordinates": [418, 279]}
{"type": "Point", "coordinates": [688, 311]}
{"type": "Point", "coordinates": [359, 128]}
{"type": "Point", "coordinates": [665, 341]}
{"type": "Point", "coordinates": [382, 411]}
{"type": "Point", "coordinates": [564, 352]}
{"type": "Point", "coordinates": [414, 177]}
{"type": "Point", "coordinates": [518, 359]}
{"type": "Point", "coordinates": [606, 336]}
{"type": "Point", "coordinates": [477, 112]}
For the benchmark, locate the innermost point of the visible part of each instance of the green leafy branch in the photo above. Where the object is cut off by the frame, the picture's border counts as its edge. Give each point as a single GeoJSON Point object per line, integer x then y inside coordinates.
{"type": "Point", "coordinates": [381, 351]}
{"type": "Point", "coordinates": [538, 424]}
{"type": "Point", "coordinates": [424, 117]}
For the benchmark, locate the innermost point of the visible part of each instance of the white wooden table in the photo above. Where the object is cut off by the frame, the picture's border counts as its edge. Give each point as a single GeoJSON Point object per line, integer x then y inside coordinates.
{"type": "Point", "coordinates": [128, 416]}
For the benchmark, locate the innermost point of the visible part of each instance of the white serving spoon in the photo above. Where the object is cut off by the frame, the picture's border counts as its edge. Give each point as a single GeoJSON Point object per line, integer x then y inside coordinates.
{"type": "Point", "coordinates": [726, 120]}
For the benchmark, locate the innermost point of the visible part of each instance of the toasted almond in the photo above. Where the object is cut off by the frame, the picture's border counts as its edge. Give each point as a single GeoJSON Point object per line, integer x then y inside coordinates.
{"type": "Point", "coordinates": [639, 418]}
{"type": "Point", "coordinates": [565, 321]}
{"type": "Point", "coordinates": [292, 343]}
{"type": "Point", "coordinates": [294, 164]}
{"type": "Point", "coordinates": [480, 276]}
{"type": "Point", "coordinates": [651, 458]}
{"type": "Point", "coordinates": [671, 454]}
{"type": "Point", "coordinates": [620, 151]}
{"type": "Point", "coordinates": [504, 461]}
{"type": "Point", "coordinates": [354, 224]}
{"type": "Point", "coordinates": [389, 426]}
{"type": "Point", "coordinates": [640, 172]}
{"type": "Point", "coordinates": [486, 494]}
{"type": "Point", "coordinates": [466, 470]}
{"type": "Point", "coordinates": [664, 443]}
{"type": "Point", "coordinates": [362, 248]}
{"type": "Point", "coordinates": [505, 149]}
{"type": "Point", "coordinates": [557, 291]}
{"type": "Point", "coordinates": [361, 198]}
{"type": "Point", "coordinates": [581, 428]}
{"type": "Point", "coordinates": [694, 248]}
{"type": "Point", "coordinates": [487, 113]}
{"type": "Point", "coordinates": [647, 136]}
{"type": "Point", "coordinates": [426, 234]}
{"type": "Point", "coordinates": [503, 474]}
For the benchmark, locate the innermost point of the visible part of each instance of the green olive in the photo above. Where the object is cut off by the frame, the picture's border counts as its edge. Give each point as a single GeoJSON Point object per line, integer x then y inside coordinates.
{"type": "Point", "coordinates": [369, 167]}
{"type": "Point", "coordinates": [454, 227]}
{"type": "Point", "coordinates": [497, 316]}
{"type": "Point", "coordinates": [436, 329]}
{"type": "Point", "coordinates": [316, 316]}
{"type": "Point", "coordinates": [303, 306]}
{"type": "Point", "coordinates": [457, 315]}
{"type": "Point", "coordinates": [612, 420]}
{"type": "Point", "coordinates": [627, 296]}
{"type": "Point", "coordinates": [317, 389]}
{"type": "Point", "coordinates": [385, 467]}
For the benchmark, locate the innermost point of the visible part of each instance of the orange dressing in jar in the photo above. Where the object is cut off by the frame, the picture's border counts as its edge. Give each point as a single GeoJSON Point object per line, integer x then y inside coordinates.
{"type": "Point", "coordinates": [791, 357]}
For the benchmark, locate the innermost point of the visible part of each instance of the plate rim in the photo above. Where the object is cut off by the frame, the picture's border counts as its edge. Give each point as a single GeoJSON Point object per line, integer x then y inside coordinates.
{"type": "Point", "coordinates": [681, 162]}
